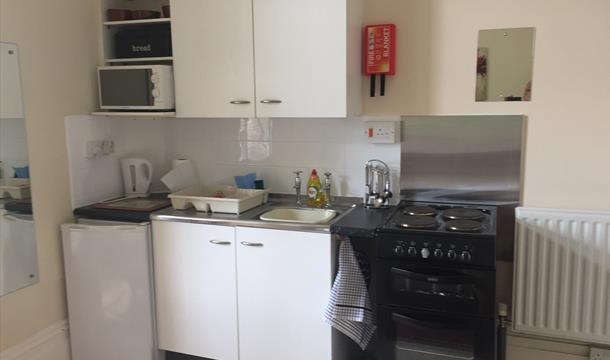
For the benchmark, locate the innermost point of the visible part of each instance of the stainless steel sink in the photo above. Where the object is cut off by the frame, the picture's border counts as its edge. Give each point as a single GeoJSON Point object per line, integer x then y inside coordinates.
{"type": "Point", "coordinates": [299, 215]}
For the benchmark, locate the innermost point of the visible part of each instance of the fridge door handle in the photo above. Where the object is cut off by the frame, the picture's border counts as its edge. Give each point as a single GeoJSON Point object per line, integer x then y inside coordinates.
{"type": "Point", "coordinates": [103, 227]}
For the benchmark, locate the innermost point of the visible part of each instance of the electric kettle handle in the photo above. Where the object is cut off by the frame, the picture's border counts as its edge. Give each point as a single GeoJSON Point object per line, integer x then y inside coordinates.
{"type": "Point", "coordinates": [148, 165]}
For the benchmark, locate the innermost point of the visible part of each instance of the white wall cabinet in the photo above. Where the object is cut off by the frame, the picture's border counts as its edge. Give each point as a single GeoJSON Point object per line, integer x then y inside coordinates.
{"type": "Point", "coordinates": [195, 289]}
{"type": "Point", "coordinates": [284, 281]}
{"type": "Point", "coordinates": [213, 58]}
{"type": "Point", "coordinates": [267, 58]}
{"type": "Point", "coordinates": [269, 286]}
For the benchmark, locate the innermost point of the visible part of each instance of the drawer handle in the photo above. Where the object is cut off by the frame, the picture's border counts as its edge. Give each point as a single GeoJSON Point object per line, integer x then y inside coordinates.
{"type": "Point", "coordinates": [246, 243]}
{"type": "Point", "coordinates": [220, 242]}
{"type": "Point", "coordinates": [271, 101]}
{"type": "Point", "coordinates": [240, 102]}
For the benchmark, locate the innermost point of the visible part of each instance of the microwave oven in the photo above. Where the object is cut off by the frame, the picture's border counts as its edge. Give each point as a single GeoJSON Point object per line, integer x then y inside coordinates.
{"type": "Point", "coordinates": [137, 87]}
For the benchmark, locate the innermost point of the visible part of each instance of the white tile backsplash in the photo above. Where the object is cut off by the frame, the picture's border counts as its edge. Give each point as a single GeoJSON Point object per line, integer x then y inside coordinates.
{"type": "Point", "coordinates": [100, 178]}
{"type": "Point", "coordinates": [223, 148]}
{"type": "Point", "coordinates": [274, 148]}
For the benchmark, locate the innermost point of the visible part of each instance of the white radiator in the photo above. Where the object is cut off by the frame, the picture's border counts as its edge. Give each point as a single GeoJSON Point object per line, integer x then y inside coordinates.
{"type": "Point", "coordinates": [562, 274]}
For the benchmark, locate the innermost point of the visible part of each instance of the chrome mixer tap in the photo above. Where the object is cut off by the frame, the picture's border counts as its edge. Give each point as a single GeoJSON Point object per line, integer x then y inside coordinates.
{"type": "Point", "coordinates": [377, 184]}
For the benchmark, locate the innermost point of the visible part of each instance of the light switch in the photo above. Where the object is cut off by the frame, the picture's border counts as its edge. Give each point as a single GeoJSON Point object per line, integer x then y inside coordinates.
{"type": "Point", "coordinates": [382, 132]}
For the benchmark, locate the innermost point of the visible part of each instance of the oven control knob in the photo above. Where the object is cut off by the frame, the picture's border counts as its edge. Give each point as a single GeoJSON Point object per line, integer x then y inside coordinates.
{"type": "Point", "coordinates": [451, 254]}
{"type": "Point", "coordinates": [438, 253]}
{"type": "Point", "coordinates": [399, 250]}
{"type": "Point", "coordinates": [466, 256]}
{"type": "Point", "coordinates": [412, 251]}
{"type": "Point", "coordinates": [425, 253]}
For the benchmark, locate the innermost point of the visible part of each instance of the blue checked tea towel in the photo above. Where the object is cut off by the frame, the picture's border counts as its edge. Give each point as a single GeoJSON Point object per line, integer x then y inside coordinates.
{"type": "Point", "coordinates": [349, 308]}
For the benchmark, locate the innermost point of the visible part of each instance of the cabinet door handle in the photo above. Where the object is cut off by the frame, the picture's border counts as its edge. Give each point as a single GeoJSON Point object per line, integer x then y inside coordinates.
{"type": "Point", "coordinates": [271, 101]}
{"type": "Point", "coordinates": [239, 102]}
{"type": "Point", "coordinates": [246, 243]}
{"type": "Point", "coordinates": [220, 242]}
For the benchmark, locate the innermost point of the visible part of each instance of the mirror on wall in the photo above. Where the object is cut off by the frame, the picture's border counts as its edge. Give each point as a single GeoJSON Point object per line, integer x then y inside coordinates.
{"type": "Point", "coordinates": [505, 62]}
{"type": "Point", "coordinates": [18, 255]}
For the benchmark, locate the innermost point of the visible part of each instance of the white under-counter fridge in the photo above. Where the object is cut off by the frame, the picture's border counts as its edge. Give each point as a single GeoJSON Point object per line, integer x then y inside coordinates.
{"type": "Point", "coordinates": [109, 282]}
{"type": "Point", "coordinates": [18, 256]}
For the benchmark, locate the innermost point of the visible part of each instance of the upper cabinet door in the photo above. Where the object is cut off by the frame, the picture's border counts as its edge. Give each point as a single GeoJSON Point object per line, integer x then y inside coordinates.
{"type": "Point", "coordinates": [213, 58]}
{"type": "Point", "coordinates": [301, 58]}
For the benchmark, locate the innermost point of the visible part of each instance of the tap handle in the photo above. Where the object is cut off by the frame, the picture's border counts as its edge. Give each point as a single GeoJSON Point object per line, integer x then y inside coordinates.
{"type": "Point", "coordinates": [297, 178]}
{"type": "Point", "coordinates": [327, 180]}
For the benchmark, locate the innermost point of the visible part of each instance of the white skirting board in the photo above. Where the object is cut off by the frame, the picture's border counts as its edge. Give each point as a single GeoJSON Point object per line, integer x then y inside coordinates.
{"type": "Point", "coordinates": [562, 274]}
{"type": "Point", "coordinates": [52, 343]}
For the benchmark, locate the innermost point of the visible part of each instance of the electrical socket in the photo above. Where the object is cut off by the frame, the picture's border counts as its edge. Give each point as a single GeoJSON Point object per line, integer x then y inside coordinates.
{"type": "Point", "coordinates": [107, 147]}
{"type": "Point", "coordinates": [599, 354]}
{"type": "Point", "coordinates": [94, 149]}
{"type": "Point", "coordinates": [99, 148]}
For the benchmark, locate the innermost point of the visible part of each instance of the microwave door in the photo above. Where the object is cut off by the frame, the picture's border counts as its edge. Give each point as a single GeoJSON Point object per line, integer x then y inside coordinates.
{"type": "Point", "coordinates": [126, 89]}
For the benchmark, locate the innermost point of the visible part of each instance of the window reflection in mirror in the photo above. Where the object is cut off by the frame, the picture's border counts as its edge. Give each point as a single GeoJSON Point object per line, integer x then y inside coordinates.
{"type": "Point", "coordinates": [505, 61]}
{"type": "Point", "coordinates": [18, 256]}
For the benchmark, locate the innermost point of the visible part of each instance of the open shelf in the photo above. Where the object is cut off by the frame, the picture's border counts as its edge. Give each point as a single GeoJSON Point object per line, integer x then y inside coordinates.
{"type": "Point", "coordinates": [135, 114]}
{"type": "Point", "coordinates": [137, 22]}
{"type": "Point", "coordinates": [146, 59]}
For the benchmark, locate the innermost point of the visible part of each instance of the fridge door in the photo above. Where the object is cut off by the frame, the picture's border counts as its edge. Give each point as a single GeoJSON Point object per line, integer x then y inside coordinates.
{"type": "Point", "coordinates": [109, 289]}
{"type": "Point", "coordinates": [18, 256]}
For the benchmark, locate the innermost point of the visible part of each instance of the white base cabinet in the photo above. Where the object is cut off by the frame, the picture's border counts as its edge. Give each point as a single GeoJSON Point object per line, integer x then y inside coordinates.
{"type": "Point", "coordinates": [229, 293]}
{"type": "Point", "coordinates": [283, 285]}
{"type": "Point", "coordinates": [195, 290]}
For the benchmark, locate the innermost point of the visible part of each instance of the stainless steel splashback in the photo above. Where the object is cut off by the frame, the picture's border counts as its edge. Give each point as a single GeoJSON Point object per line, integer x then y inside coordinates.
{"type": "Point", "coordinates": [475, 159]}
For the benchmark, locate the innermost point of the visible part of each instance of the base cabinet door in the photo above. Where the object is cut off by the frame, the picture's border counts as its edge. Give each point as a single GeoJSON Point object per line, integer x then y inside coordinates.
{"type": "Point", "coordinates": [196, 296]}
{"type": "Point", "coordinates": [284, 280]}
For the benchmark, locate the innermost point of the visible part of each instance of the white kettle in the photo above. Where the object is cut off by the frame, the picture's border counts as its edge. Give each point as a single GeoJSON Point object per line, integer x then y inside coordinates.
{"type": "Point", "coordinates": [137, 176]}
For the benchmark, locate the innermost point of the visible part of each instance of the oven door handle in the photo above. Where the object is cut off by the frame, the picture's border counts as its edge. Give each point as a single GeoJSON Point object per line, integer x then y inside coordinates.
{"type": "Point", "coordinates": [433, 278]}
{"type": "Point", "coordinates": [427, 323]}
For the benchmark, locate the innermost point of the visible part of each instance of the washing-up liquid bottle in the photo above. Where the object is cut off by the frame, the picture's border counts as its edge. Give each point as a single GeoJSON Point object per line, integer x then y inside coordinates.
{"type": "Point", "coordinates": [315, 197]}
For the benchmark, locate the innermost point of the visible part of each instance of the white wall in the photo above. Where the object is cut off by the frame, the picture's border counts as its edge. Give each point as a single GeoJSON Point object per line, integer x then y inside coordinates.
{"type": "Point", "coordinates": [567, 163]}
{"type": "Point", "coordinates": [58, 52]}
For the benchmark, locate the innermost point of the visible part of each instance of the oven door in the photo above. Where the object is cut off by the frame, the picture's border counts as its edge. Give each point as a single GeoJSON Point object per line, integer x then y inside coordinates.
{"type": "Point", "coordinates": [406, 334]}
{"type": "Point", "coordinates": [430, 287]}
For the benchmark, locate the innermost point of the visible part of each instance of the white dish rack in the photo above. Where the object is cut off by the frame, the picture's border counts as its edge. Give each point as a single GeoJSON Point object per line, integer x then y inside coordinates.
{"type": "Point", "coordinates": [15, 188]}
{"type": "Point", "coordinates": [221, 198]}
